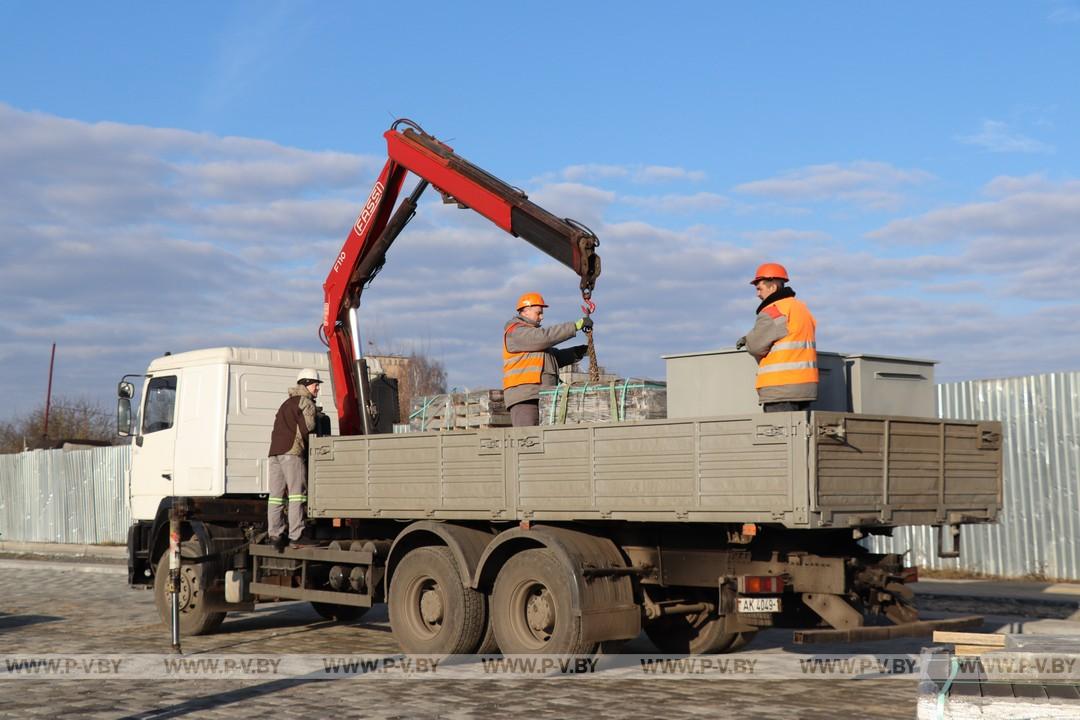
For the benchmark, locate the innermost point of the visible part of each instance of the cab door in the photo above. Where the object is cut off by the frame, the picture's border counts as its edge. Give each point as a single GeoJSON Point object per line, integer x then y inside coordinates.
{"type": "Point", "coordinates": [154, 447]}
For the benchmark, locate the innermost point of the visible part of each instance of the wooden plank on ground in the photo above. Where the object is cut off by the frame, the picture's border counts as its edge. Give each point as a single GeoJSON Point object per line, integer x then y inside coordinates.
{"type": "Point", "coordinates": [969, 638]}
{"type": "Point", "coordinates": [973, 650]}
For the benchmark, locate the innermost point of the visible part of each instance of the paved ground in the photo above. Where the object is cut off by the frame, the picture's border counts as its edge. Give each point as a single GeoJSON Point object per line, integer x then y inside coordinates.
{"type": "Point", "coordinates": [81, 608]}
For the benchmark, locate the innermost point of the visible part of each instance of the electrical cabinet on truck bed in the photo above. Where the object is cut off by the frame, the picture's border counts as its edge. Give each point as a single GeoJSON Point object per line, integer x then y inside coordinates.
{"type": "Point", "coordinates": [822, 469]}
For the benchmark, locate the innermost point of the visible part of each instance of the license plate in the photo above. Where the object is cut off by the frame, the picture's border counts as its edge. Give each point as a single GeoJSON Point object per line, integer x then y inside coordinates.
{"type": "Point", "coordinates": [758, 604]}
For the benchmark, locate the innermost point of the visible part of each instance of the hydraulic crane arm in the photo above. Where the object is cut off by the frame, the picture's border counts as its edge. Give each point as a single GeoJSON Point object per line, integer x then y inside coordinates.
{"type": "Point", "coordinates": [378, 225]}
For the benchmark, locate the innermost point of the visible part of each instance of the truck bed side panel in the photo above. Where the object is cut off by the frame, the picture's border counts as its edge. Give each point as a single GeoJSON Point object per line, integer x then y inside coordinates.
{"type": "Point", "coordinates": [906, 470]}
{"type": "Point", "coordinates": [754, 468]}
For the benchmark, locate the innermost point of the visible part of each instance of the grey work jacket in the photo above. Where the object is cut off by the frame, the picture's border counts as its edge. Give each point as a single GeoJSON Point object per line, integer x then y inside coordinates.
{"type": "Point", "coordinates": [528, 337]}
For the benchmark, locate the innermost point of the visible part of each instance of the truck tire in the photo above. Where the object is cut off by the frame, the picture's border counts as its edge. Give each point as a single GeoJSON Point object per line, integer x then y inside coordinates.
{"type": "Point", "coordinates": [488, 644]}
{"type": "Point", "coordinates": [531, 607]}
{"type": "Point", "coordinates": [690, 634]}
{"type": "Point", "coordinates": [431, 611]}
{"type": "Point", "coordinates": [742, 640]}
{"type": "Point", "coordinates": [195, 618]}
{"type": "Point", "coordinates": [339, 613]}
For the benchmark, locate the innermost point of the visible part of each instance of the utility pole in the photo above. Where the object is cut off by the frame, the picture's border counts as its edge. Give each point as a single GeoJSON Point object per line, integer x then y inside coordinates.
{"type": "Point", "coordinates": [48, 394]}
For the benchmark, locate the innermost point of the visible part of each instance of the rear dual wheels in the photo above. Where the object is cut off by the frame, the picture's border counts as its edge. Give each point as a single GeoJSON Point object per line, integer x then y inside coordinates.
{"type": "Point", "coordinates": [531, 607]}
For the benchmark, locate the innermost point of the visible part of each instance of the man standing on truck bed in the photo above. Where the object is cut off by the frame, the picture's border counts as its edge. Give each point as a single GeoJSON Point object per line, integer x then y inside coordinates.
{"type": "Point", "coordinates": [530, 358]}
{"type": "Point", "coordinates": [295, 420]}
{"type": "Point", "coordinates": [783, 343]}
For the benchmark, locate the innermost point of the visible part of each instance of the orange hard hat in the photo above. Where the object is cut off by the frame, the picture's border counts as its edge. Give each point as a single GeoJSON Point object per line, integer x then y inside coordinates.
{"type": "Point", "coordinates": [770, 271]}
{"type": "Point", "coordinates": [530, 299]}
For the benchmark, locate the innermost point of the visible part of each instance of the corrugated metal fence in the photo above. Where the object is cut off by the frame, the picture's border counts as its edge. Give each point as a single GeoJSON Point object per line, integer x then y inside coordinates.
{"type": "Point", "coordinates": [62, 496]}
{"type": "Point", "coordinates": [1039, 529]}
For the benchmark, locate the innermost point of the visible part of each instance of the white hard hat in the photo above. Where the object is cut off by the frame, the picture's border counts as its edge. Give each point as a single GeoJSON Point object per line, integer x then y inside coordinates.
{"type": "Point", "coordinates": [308, 374]}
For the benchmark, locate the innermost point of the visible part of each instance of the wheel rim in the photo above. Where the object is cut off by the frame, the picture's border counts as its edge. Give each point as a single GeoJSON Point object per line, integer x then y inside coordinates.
{"type": "Point", "coordinates": [187, 591]}
{"type": "Point", "coordinates": [426, 604]}
{"type": "Point", "coordinates": [533, 613]}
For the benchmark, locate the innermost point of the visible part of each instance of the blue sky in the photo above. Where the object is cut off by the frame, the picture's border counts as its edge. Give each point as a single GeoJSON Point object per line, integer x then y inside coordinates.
{"type": "Point", "coordinates": [180, 176]}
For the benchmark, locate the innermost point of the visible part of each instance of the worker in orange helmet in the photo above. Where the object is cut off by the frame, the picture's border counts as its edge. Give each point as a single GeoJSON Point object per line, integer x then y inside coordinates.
{"type": "Point", "coordinates": [783, 341]}
{"type": "Point", "coordinates": [530, 358]}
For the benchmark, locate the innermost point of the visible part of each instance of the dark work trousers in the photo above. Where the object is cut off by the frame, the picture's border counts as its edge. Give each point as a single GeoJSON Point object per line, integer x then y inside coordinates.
{"type": "Point", "coordinates": [525, 413]}
{"type": "Point", "coordinates": [785, 406]}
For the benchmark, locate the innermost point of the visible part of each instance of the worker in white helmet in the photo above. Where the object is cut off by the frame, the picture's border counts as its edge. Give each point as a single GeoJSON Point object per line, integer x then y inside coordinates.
{"type": "Point", "coordinates": [294, 422]}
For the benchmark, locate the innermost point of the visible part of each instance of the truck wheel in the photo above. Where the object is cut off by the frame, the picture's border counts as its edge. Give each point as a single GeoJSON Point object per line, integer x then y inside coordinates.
{"type": "Point", "coordinates": [195, 618]}
{"type": "Point", "coordinates": [339, 613]}
{"type": "Point", "coordinates": [531, 607]}
{"type": "Point", "coordinates": [430, 610]}
{"type": "Point", "coordinates": [488, 644]}
{"type": "Point", "coordinates": [742, 640]}
{"type": "Point", "coordinates": [696, 634]}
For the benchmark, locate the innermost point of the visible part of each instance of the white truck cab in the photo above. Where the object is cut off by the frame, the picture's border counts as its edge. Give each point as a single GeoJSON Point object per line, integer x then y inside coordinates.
{"type": "Point", "coordinates": [205, 419]}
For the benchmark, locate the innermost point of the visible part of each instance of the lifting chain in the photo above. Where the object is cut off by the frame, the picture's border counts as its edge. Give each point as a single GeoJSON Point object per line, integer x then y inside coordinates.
{"type": "Point", "coordinates": [588, 308]}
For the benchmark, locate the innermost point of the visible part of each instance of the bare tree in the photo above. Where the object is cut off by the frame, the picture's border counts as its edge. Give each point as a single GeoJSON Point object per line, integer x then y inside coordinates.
{"type": "Point", "coordinates": [416, 372]}
{"type": "Point", "coordinates": [421, 376]}
{"type": "Point", "coordinates": [69, 419]}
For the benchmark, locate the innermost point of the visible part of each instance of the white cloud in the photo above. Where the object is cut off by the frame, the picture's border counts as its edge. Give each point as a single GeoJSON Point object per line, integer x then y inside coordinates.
{"type": "Point", "coordinates": [1031, 212]}
{"type": "Point", "coordinates": [868, 184]}
{"type": "Point", "coordinates": [644, 174]}
{"type": "Point", "coordinates": [997, 136]}
{"type": "Point", "coordinates": [581, 202]}
{"type": "Point", "coordinates": [1026, 239]}
{"type": "Point", "coordinates": [677, 203]}
{"type": "Point", "coordinates": [666, 173]}
{"type": "Point", "coordinates": [784, 236]}
{"type": "Point", "coordinates": [1011, 185]}
{"type": "Point", "coordinates": [1064, 13]}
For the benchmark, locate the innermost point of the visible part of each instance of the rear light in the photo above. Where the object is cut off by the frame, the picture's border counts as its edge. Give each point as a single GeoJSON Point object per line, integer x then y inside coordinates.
{"type": "Point", "coordinates": [910, 575]}
{"type": "Point", "coordinates": [761, 584]}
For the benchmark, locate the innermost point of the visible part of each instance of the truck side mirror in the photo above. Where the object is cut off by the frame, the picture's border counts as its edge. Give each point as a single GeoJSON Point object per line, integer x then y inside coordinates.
{"type": "Point", "coordinates": [125, 390]}
{"type": "Point", "coordinates": [123, 415]}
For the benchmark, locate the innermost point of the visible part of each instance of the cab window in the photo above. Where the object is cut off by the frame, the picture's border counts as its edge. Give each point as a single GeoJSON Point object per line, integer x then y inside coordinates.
{"type": "Point", "coordinates": [160, 405]}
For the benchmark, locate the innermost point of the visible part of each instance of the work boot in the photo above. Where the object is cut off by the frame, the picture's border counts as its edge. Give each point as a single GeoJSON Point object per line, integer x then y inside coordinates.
{"type": "Point", "coordinates": [304, 541]}
{"type": "Point", "coordinates": [278, 542]}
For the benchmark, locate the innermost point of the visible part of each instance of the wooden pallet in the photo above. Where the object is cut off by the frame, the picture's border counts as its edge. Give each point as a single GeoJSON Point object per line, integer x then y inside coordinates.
{"type": "Point", "coordinates": [994, 675]}
{"type": "Point", "coordinates": [969, 644]}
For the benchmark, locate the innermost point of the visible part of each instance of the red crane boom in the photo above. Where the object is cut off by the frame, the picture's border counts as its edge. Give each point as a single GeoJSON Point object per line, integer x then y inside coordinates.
{"type": "Point", "coordinates": [378, 225]}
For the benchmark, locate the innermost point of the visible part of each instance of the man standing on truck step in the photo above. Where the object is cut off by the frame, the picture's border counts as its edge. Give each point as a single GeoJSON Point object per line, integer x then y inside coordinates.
{"type": "Point", "coordinates": [783, 343]}
{"type": "Point", "coordinates": [530, 358]}
{"type": "Point", "coordinates": [295, 420]}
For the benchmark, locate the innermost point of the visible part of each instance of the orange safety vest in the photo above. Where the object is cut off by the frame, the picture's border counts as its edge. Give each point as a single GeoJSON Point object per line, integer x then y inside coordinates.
{"type": "Point", "coordinates": [792, 360]}
{"type": "Point", "coordinates": [521, 368]}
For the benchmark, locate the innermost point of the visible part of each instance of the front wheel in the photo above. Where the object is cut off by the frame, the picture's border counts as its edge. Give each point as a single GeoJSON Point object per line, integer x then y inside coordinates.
{"type": "Point", "coordinates": [195, 617]}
